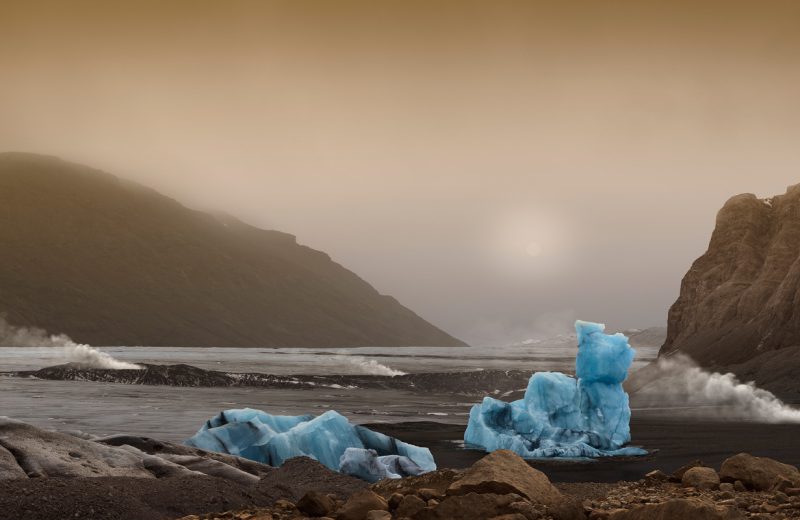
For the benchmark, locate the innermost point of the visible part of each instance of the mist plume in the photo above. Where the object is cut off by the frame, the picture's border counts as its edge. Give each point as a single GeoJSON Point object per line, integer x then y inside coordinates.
{"type": "Point", "coordinates": [85, 355]}
{"type": "Point", "coordinates": [679, 381]}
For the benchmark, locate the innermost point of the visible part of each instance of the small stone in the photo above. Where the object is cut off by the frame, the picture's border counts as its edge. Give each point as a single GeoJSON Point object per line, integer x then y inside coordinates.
{"type": "Point", "coordinates": [432, 502]}
{"type": "Point", "coordinates": [526, 509]}
{"type": "Point", "coordinates": [427, 494]}
{"type": "Point", "coordinates": [656, 476]}
{"type": "Point", "coordinates": [792, 492]}
{"type": "Point", "coordinates": [284, 504]}
{"type": "Point", "coordinates": [316, 504]}
{"type": "Point", "coordinates": [395, 500]}
{"type": "Point", "coordinates": [726, 486]}
{"type": "Point", "coordinates": [378, 515]}
{"type": "Point", "coordinates": [780, 498]}
{"type": "Point", "coordinates": [360, 503]}
{"type": "Point", "coordinates": [739, 486]}
{"type": "Point", "coordinates": [410, 506]}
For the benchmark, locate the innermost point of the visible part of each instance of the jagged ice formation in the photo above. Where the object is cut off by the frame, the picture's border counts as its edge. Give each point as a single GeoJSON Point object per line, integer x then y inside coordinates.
{"type": "Point", "coordinates": [562, 416]}
{"type": "Point", "coordinates": [328, 438]}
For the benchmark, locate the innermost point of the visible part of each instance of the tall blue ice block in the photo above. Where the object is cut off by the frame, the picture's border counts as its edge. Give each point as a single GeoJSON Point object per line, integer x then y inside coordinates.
{"type": "Point", "coordinates": [273, 439]}
{"type": "Point", "coordinates": [561, 416]}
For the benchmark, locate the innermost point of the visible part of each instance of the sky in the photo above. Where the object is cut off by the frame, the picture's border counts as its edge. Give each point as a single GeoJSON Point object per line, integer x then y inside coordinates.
{"type": "Point", "coordinates": [500, 167]}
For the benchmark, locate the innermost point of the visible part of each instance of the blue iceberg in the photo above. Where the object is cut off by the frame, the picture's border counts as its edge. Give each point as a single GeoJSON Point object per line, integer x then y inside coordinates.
{"type": "Point", "coordinates": [561, 416]}
{"type": "Point", "coordinates": [328, 438]}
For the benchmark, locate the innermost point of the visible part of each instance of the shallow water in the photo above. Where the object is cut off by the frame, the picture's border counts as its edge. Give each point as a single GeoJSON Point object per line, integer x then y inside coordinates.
{"type": "Point", "coordinates": [174, 413]}
{"type": "Point", "coordinates": [554, 354]}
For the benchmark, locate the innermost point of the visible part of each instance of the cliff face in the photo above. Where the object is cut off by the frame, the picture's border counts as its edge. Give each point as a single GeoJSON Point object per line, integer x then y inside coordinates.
{"type": "Point", "coordinates": [109, 262]}
{"type": "Point", "coordinates": [740, 301]}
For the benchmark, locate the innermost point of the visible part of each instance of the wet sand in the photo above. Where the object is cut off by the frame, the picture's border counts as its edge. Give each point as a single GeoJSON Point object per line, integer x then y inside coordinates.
{"type": "Point", "coordinates": [673, 443]}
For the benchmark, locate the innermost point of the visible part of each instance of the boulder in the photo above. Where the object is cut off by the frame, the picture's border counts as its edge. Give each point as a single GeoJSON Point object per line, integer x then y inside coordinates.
{"type": "Point", "coordinates": [361, 503]}
{"type": "Point", "coordinates": [314, 503]}
{"type": "Point", "coordinates": [677, 475]}
{"type": "Point", "coordinates": [502, 472]}
{"type": "Point", "coordinates": [410, 506]}
{"type": "Point", "coordinates": [679, 508]}
{"type": "Point", "coordinates": [700, 478]}
{"type": "Point", "coordinates": [759, 473]}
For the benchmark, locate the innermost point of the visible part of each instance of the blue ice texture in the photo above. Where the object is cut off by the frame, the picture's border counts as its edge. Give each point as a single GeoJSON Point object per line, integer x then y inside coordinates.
{"type": "Point", "coordinates": [563, 416]}
{"type": "Point", "coordinates": [328, 438]}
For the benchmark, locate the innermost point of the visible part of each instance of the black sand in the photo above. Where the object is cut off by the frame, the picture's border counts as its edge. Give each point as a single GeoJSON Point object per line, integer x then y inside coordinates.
{"type": "Point", "coordinates": [673, 443]}
{"type": "Point", "coordinates": [125, 498]}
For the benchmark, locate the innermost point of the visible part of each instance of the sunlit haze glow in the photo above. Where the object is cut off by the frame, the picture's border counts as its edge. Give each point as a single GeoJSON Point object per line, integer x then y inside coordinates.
{"type": "Point", "coordinates": [493, 165]}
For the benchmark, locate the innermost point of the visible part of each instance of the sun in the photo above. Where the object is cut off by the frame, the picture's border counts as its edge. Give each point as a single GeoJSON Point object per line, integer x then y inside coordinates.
{"type": "Point", "coordinates": [533, 249]}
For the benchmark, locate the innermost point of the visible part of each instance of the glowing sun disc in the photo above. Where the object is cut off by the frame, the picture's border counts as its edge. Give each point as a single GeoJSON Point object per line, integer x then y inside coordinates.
{"type": "Point", "coordinates": [533, 249]}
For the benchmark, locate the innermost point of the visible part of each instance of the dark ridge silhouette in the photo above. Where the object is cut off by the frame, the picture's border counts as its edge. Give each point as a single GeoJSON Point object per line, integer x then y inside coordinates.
{"type": "Point", "coordinates": [110, 262]}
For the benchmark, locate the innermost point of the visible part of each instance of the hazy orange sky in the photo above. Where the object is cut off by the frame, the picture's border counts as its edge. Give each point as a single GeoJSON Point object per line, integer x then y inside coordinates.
{"type": "Point", "coordinates": [499, 167]}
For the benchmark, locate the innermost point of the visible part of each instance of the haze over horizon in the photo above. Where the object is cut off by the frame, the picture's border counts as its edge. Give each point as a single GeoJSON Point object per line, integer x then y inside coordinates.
{"type": "Point", "coordinates": [501, 168]}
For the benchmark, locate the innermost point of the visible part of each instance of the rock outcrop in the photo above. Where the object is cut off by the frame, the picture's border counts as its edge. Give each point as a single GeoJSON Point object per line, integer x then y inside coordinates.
{"type": "Point", "coordinates": [477, 382]}
{"type": "Point", "coordinates": [30, 452]}
{"type": "Point", "coordinates": [738, 304]}
{"type": "Point", "coordinates": [109, 262]}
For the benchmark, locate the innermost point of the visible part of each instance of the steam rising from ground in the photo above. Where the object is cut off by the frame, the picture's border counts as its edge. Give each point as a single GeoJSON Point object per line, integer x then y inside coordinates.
{"type": "Point", "coordinates": [85, 355]}
{"type": "Point", "coordinates": [680, 382]}
{"type": "Point", "coordinates": [370, 366]}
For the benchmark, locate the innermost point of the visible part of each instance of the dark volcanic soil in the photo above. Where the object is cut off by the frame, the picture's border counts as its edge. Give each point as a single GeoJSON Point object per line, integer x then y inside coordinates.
{"type": "Point", "coordinates": [124, 498]}
{"type": "Point", "coordinates": [674, 443]}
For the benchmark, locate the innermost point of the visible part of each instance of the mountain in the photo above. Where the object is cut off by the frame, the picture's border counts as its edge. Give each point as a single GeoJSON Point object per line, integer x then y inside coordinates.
{"type": "Point", "coordinates": [110, 262]}
{"type": "Point", "coordinates": [739, 304]}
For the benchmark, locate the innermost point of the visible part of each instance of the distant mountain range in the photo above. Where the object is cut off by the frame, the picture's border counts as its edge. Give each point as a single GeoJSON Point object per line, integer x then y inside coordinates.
{"type": "Point", "coordinates": [739, 304]}
{"type": "Point", "coordinates": [110, 262]}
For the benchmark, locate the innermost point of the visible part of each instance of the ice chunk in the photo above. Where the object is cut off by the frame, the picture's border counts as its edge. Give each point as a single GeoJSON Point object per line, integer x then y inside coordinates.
{"type": "Point", "coordinates": [368, 465]}
{"type": "Point", "coordinates": [328, 438]}
{"type": "Point", "coordinates": [561, 416]}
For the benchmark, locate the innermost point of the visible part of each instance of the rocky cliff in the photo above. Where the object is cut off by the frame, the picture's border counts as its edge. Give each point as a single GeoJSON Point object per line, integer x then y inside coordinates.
{"type": "Point", "coordinates": [739, 304]}
{"type": "Point", "coordinates": [109, 262]}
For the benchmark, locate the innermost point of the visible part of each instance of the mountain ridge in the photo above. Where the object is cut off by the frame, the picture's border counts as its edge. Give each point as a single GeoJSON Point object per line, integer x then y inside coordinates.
{"type": "Point", "coordinates": [739, 303]}
{"type": "Point", "coordinates": [110, 262]}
